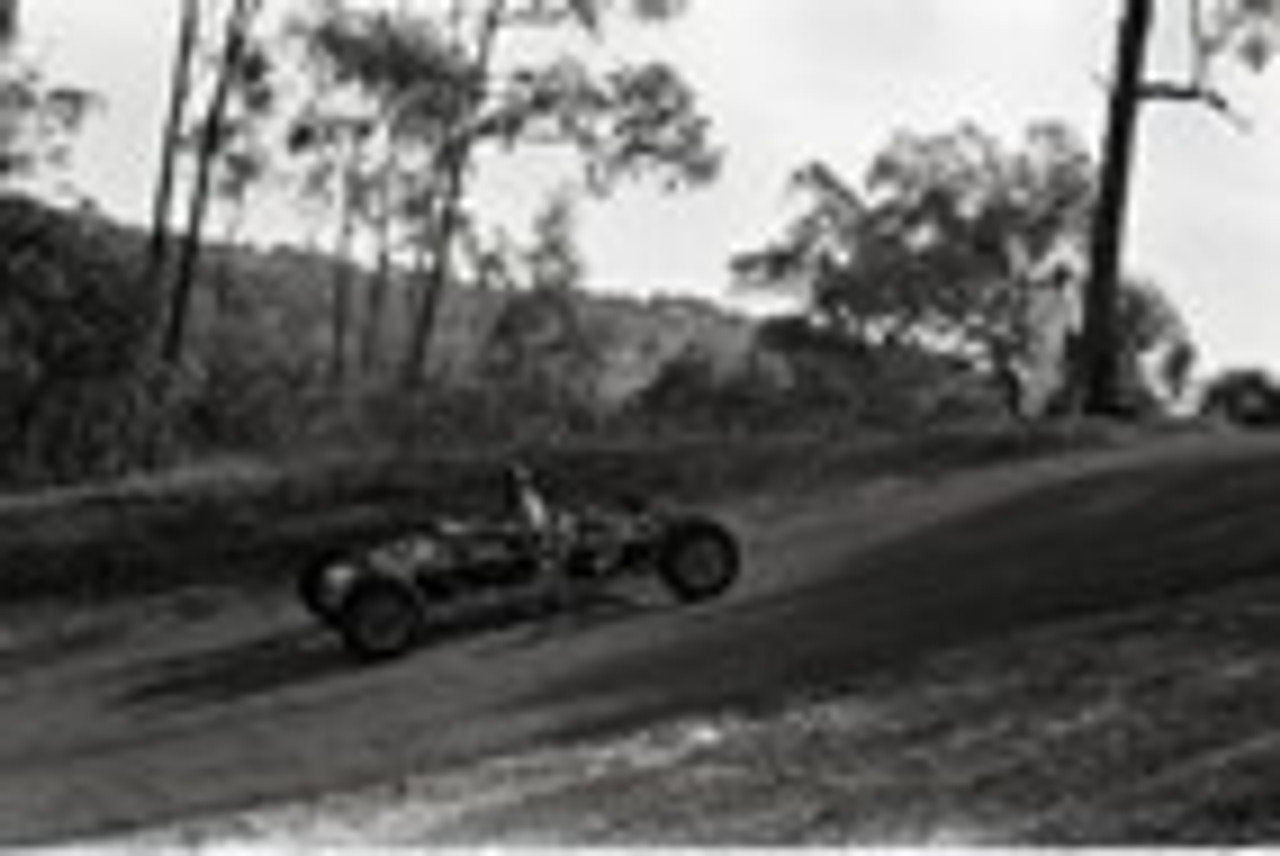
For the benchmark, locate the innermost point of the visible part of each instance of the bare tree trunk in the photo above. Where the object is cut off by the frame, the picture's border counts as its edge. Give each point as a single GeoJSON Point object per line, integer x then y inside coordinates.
{"type": "Point", "coordinates": [238, 22]}
{"type": "Point", "coordinates": [371, 338]}
{"type": "Point", "coordinates": [342, 270]}
{"type": "Point", "coordinates": [1100, 356]}
{"type": "Point", "coordinates": [8, 22]}
{"type": "Point", "coordinates": [375, 309]}
{"type": "Point", "coordinates": [179, 95]}
{"type": "Point", "coordinates": [436, 280]}
{"type": "Point", "coordinates": [455, 165]}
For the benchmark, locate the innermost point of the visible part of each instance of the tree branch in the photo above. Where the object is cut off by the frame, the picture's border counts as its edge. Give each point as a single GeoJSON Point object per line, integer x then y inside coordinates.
{"type": "Point", "coordinates": [1195, 93]}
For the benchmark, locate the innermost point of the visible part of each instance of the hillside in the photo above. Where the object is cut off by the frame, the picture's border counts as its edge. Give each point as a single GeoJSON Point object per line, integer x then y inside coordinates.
{"type": "Point", "coordinates": [635, 336]}
{"type": "Point", "coordinates": [84, 395]}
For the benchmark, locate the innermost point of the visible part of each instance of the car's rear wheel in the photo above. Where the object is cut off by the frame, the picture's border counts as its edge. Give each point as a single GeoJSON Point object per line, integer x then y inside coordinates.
{"type": "Point", "coordinates": [700, 562]}
{"type": "Point", "coordinates": [381, 619]}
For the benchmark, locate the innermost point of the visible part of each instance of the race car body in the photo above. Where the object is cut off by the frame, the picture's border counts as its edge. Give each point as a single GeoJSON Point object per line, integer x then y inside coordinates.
{"type": "Point", "coordinates": [383, 600]}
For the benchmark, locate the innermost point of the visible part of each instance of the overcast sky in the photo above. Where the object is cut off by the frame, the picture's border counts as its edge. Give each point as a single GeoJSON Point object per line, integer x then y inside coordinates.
{"type": "Point", "coordinates": [792, 80]}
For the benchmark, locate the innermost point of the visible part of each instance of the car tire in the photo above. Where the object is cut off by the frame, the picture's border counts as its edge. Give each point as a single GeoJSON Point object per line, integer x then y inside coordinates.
{"type": "Point", "coordinates": [699, 561]}
{"type": "Point", "coordinates": [382, 619]}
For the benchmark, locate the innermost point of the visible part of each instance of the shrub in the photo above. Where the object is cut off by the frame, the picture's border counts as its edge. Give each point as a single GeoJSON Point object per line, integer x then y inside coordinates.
{"type": "Point", "coordinates": [74, 328]}
{"type": "Point", "coordinates": [1246, 397]}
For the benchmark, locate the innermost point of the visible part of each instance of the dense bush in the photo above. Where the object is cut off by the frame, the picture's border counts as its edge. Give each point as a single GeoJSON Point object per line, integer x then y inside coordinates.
{"type": "Point", "coordinates": [74, 330]}
{"type": "Point", "coordinates": [1246, 397]}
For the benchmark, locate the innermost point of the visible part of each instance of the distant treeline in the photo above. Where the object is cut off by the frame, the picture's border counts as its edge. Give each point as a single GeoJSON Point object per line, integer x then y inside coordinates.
{"type": "Point", "coordinates": [81, 393]}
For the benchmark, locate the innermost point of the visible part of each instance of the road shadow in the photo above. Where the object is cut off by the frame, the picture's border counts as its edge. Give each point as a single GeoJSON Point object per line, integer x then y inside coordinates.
{"type": "Point", "coordinates": [53, 649]}
{"type": "Point", "coordinates": [546, 624]}
{"type": "Point", "coordinates": [256, 666]}
{"type": "Point", "coordinates": [307, 654]}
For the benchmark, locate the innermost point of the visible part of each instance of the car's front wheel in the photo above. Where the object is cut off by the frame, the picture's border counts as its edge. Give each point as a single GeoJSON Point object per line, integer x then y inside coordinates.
{"type": "Point", "coordinates": [700, 561]}
{"type": "Point", "coordinates": [381, 619]}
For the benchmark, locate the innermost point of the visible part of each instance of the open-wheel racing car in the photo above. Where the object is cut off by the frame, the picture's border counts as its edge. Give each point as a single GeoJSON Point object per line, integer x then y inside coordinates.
{"type": "Point", "coordinates": [383, 600]}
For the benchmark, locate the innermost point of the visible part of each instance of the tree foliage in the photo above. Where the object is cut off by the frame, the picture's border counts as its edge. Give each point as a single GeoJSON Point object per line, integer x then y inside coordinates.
{"type": "Point", "coordinates": [39, 119]}
{"type": "Point", "coordinates": [693, 392]}
{"type": "Point", "coordinates": [1248, 30]}
{"type": "Point", "coordinates": [443, 86]}
{"type": "Point", "coordinates": [243, 145]}
{"type": "Point", "coordinates": [541, 348]}
{"type": "Point", "coordinates": [74, 329]}
{"type": "Point", "coordinates": [236, 79]}
{"type": "Point", "coordinates": [940, 246]}
{"type": "Point", "coordinates": [1247, 397]}
{"type": "Point", "coordinates": [954, 244]}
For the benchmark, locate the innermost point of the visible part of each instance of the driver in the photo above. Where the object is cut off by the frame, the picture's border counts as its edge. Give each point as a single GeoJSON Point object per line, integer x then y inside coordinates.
{"type": "Point", "coordinates": [526, 501]}
{"type": "Point", "coordinates": [536, 517]}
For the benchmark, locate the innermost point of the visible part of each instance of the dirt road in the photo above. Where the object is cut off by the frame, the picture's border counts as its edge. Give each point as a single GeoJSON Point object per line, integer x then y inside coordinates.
{"type": "Point", "coordinates": [203, 701]}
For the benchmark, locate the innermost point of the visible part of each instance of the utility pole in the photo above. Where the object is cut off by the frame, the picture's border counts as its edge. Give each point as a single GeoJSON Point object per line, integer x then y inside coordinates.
{"type": "Point", "coordinates": [1100, 356]}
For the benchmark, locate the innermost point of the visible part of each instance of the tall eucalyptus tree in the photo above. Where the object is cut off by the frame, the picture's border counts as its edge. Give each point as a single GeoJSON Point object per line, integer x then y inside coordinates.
{"type": "Point", "coordinates": [1248, 30]}
{"type": "Point", "coordinates": [234, 50]}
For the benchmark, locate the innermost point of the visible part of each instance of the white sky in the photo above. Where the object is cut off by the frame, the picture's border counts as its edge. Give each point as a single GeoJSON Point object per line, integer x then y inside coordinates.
{"type": "Point", "coordinates": [792, 80]}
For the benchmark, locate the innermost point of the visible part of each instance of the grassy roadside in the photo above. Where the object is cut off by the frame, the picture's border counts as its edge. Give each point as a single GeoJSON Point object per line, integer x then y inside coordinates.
{"type": "Point", "coordinates": [254, 524]}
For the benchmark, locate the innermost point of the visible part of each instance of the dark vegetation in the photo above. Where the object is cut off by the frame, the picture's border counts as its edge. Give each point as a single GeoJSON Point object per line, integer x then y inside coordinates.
{"type": "Point", "coordinates": [1247, 397]}
{"type": "Point", "coordinates": [86, 399]}
{"type": "Point", "coordinates": [83, 393]}
{"type": "Point", "coordinates": [255, 525]}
